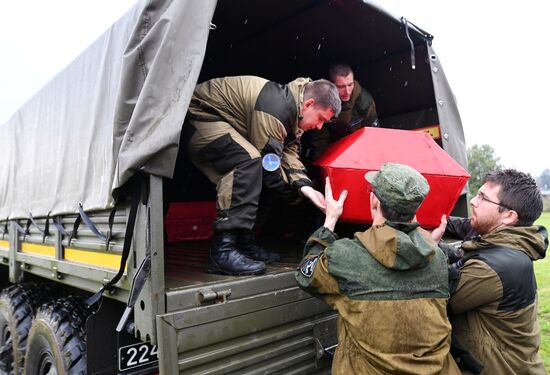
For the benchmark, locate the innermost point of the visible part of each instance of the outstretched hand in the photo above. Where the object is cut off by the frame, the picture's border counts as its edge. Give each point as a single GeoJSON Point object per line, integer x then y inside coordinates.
{"type": "Point", "coordinates": [316, 197]}
{"type": "Point", "coordinates": [334, 208]}
{"type": "Point", "coordinates": [438, 232]}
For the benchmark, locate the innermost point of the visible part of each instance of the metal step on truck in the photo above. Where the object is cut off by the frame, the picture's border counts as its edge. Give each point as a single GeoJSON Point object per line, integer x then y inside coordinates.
{"type": "Point", "coordinates": [105, 224]}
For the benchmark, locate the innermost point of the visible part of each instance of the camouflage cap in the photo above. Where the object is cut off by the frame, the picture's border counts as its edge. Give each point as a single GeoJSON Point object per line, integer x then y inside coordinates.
{"type": "Point", "coordinates": [399, 186]}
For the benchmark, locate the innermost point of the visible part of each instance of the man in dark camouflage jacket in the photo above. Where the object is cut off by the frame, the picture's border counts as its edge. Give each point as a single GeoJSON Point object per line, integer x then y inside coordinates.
{"type": "Point", "coordinates": [243, 133]}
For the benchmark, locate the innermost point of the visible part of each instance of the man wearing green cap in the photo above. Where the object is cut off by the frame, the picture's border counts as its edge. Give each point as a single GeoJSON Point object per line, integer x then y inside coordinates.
{"type": "Point", "coordinates": [389, 283]}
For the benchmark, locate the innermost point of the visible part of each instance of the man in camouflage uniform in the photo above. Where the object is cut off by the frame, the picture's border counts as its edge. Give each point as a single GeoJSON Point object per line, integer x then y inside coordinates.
{"type": "Point", "coordinates": [236, 126]}
{"type": "Point", "coordinates": [494, 302]}
{"type": "Point", "coordinates": [389, 283]}
{"type": "Point", "coordinates": [358, 110]}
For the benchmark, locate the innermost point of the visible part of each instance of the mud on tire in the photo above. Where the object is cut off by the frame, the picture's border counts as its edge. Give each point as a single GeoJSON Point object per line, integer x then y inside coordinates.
{"type": "Point", "coordinates": [18, 304]}
{"type": "Point", "coordinates": [57, 338]}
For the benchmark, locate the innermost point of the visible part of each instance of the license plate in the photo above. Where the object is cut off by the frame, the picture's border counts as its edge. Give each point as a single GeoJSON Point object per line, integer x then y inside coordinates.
{"type": "Point", "coordinates": [136, 355]}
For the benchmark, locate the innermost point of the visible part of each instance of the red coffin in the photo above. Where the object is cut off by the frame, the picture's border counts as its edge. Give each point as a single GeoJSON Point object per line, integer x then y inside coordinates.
{"type": "Point", "coordinates": [347, 161]}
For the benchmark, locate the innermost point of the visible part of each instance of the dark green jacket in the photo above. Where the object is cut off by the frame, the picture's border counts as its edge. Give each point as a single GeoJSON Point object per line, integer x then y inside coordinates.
{"type": "Point", "coordinates": [389, 286]}
{"type": "Point", "coordinates": [361, 106]}
{"type": "Point", "coordinates": [358, 112]}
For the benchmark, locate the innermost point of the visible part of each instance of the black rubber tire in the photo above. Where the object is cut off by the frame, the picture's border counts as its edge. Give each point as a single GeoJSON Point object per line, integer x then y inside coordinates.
{"type": "Point", "coordinates": [18, 304]}
{"type": "Point", "coordinates": [57, 339]}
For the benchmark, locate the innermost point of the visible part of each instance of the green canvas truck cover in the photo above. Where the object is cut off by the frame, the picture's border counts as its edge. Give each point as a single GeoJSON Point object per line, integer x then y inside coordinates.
{"type": "Point", "coordinates": [118, 108]}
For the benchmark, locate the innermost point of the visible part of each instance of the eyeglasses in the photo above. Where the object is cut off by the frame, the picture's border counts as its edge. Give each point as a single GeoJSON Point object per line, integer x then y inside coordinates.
{"type": "Point", "coordinates": [483, 197]}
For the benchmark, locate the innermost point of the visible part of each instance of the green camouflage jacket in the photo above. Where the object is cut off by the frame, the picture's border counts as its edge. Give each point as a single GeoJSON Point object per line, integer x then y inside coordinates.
{"type": "Point", "coordinates": [389, 286]}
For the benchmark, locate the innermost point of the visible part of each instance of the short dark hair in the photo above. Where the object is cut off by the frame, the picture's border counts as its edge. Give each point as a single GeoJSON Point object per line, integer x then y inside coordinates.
{"type": "Point", "coordinates": [519, 192]}
{"type": "Point", "coordinates": [325, 94]}
{"type": "Point", "coordinates": [339, 70]}
{"type": "Point", "coordinates": [391, 214]}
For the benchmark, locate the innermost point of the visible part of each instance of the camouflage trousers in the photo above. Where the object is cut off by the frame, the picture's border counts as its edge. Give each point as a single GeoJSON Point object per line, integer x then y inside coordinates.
{"type": "Point", "coordinates": [233, 164]}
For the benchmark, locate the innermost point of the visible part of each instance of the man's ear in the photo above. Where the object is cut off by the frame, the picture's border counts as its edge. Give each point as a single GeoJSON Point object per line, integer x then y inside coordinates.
{"type": "Point", "coordinates": [510, 217]}
{"type": "Point", "coordinates": [374, 202]}
{"type": "Point", "coordinates": [309, 103]}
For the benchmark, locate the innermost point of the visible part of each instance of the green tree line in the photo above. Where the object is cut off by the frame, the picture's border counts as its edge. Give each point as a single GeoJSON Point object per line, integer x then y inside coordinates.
{"type": "Point", "coordinates": [483, 159]}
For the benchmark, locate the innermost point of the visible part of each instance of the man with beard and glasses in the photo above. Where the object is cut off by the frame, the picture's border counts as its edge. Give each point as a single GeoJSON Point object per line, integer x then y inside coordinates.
{"type": "Point", "coordinates": [493, 303]}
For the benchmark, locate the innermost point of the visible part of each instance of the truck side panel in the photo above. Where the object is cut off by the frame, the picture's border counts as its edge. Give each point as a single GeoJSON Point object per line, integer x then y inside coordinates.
{"type": "Point", "coordinates": [283, 330]}
{"type": "Point", "coordinates": [86, 262]}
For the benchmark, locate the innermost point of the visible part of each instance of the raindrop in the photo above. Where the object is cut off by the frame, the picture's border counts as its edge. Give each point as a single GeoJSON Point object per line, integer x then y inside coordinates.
{"type": "Point", "coordinates": [406, 84]}
{"type": "Point", "coordinates": [391, 67]}
{"type": "Point", "coordinates": [246, 21]}
{"type": "Point", "coordinates": [319, 47]}
{"type": "Point", "coordinates": [297, 36]}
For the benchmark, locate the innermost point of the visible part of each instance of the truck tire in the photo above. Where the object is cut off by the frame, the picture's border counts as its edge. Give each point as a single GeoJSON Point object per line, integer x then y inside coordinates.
{"type": "Point", "coordinates": [57, 339]}
{"type": "Point", "coordinates": [18, 304]}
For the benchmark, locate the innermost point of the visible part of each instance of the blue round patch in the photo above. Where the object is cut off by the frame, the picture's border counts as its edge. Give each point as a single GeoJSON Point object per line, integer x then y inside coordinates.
{"type": "Point", "coordinates": [271, 162]}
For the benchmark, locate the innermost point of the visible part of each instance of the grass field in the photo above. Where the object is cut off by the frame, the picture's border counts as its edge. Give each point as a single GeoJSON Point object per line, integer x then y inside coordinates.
{"type": "Point", "coordinates": [542, 271]}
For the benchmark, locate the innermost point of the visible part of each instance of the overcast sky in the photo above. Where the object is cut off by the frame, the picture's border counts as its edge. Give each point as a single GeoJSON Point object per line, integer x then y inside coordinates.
{"type": "Point", "coordinates": [495, 56]}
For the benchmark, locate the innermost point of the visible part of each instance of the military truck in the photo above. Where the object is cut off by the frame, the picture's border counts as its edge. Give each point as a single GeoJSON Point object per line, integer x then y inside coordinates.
{"type": "Point", "coordinates": [91, 170]}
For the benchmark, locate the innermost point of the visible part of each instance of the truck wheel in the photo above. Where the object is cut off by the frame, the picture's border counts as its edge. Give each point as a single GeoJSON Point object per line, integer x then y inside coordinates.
{"type": "Point", "coordinates": [57, 339]}
{"type": "Point", "coordinates": [18, 304]}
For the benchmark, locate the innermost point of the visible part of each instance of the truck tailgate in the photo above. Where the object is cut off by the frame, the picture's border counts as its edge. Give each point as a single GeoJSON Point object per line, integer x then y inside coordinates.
{"type": "Point", "coordinates": [261, 324]}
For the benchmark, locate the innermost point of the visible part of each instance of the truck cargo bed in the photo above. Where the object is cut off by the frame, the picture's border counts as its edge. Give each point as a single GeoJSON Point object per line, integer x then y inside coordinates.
{"type": "Point", "coordinates": [186, 261]}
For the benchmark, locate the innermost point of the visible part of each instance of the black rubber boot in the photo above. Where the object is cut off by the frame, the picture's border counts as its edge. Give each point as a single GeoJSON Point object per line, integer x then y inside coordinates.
{"type": "Point", "coordinates": [226, 259]}
{"type": "Point", "coordinates": [247, 245]}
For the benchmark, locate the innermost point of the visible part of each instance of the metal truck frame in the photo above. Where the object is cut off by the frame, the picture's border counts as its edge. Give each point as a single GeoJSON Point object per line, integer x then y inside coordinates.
{"type": "Point", "coordinates": [87, 274]}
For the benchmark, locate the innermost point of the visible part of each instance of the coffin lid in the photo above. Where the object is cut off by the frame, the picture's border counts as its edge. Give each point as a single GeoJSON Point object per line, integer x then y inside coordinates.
{"type": "Point", "coordinates": [368, 148]}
